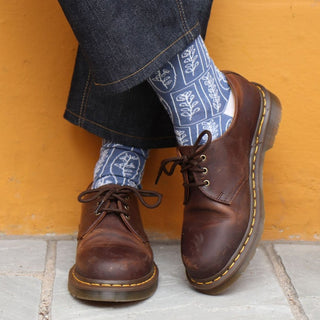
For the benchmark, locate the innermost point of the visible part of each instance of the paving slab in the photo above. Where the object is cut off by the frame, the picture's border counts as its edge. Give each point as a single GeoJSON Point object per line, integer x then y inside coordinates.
{"type": "Point", "coordinates": [256, 295]}
{"type": "Point", "coordinates": [302, 263]}
{"type": "Point", "coordinates": [22, 255]}
{"type": "Point", "coordinates": [19, 298]}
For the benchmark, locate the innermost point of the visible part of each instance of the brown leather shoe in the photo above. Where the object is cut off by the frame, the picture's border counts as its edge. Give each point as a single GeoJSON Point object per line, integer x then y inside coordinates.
{"type": "Point", "coordinates": [114, 260]}
{"type": "Point", "coordinates": [224, 211]}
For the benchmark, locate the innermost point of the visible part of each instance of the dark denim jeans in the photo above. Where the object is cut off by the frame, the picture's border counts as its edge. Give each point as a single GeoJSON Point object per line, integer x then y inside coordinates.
{"type": "Point", "coordinates": [121, 43]}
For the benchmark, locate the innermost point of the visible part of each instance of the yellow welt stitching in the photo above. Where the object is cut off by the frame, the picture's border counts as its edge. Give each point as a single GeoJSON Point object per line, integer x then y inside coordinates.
{"type": "Point", "coordinates": [115, 285]}
{"type": "Point", "coordinates": [254, 195]}
{"type": "Point", "coordinates": [237, 257]}
{"type": "Point", "coordinates": [225, 272]}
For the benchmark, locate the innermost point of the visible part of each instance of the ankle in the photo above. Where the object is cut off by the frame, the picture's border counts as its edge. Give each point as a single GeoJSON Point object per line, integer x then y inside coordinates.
{"type": "Point", "coordinates": [195, 93]}
{"type": "Point", "coordinates": [119, 164]}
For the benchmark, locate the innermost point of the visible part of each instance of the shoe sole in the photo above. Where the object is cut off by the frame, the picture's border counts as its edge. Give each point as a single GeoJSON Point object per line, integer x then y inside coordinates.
{"type": "Point", "coordinates": [112, 291]}
{"type": "Point", "coordinates": [266, 130]}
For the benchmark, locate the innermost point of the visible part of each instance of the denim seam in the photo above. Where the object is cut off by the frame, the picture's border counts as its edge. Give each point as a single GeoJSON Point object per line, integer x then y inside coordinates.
{"type": "Point", "coordinates": [147, 64]}
{"type": "Point", "coordinates": [87, 98]}
{"type": "Point", "coordinates": [83, 119]}
{"type": "Point", "coordinates": [184, 25]}
{"type": "Point", "coordinates": [84, 96]}
{"type": "Point", "coordinates": [183, 18]}
{"type": "Point", "coordinates": [184, 15]}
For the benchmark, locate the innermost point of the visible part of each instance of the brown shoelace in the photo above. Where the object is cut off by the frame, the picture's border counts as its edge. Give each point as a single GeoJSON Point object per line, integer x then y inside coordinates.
{"type": "Point", "coordinates": [188, 163]}
{"type": "Point", "coordinates": [115, 194]}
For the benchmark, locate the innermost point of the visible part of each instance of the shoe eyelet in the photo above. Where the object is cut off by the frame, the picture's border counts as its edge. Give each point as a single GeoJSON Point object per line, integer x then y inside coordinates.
{"type": "Point", "coordinates": [126, 206]}
{"type": "Point", "coordinates": [206, 183]}
{"type": "Point", "coordinates": [205, 170]}
{"type": "Point", "coordinates": [127, 217]}
{"type": "Point", "coordinates": [98, 213]}
{"type": "Point", "coordinates": [203, 157]}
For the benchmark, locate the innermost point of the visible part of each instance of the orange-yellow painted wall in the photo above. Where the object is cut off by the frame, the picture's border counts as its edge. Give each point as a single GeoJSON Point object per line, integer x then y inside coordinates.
{"type": "Point", "coordinates": [45, 161]}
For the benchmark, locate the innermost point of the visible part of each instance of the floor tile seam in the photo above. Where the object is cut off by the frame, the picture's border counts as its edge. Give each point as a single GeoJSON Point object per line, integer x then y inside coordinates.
{"type": "Point", "coordinates": [204, 307]}
{"type": "Point", "coordinates": [285, 282]}
{"type": "Point", "coordinates": [45, 237]}
{"type": "Point", "coordinates": [48, 281]}
{"type": "Point", "coordinates": [27, 274]}
{"type": "Point", "coordinates": [155, 240]}
{"type": "Point", "coordinates": [72, 237]}
{"type": "Point", "coordinates": [292, 242]}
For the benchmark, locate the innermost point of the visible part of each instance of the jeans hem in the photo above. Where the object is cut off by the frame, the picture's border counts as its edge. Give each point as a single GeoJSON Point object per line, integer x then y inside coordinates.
{"type": "Point", "coordinates": [143, 73]}
{"type": "Point", "coordinates": [119, 137]}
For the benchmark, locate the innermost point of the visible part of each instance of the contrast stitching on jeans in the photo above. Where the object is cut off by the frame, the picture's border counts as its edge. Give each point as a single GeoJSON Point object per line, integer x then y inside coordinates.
{"type": "Point", "coordinates": [117, 132]}
{"type": "Point", "coordinates": [84, 95]}
{"type": "Point", "coordinates": [115, 284]}
{"type": "Point", "coordinates": [258, 145]}
{"type": "Point", "coordinates": [183, 17]}
{"type": "Point", "coordinates": [146, 65]}
{"type": "Point", "coordinates": [87, 98]}
{"type": "Point", "coordinates": [184, 25]}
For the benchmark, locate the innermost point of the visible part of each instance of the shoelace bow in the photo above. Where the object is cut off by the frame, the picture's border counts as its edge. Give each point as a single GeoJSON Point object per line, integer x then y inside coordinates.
{"type": "Point", "coordinates": [117, 194]}
{"type": "Point", "coordinates": [189, 163]}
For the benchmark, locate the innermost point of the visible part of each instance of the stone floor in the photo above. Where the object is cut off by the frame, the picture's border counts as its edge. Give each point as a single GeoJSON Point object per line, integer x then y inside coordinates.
{"type": "Point", "coordinates": [281, 282]}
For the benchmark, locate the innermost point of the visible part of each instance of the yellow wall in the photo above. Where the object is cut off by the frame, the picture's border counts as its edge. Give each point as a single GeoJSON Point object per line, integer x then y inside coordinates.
{"type": "Point", "coordinates": [45, 161]}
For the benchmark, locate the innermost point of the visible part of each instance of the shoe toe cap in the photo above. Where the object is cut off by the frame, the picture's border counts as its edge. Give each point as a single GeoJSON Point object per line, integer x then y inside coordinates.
{"type": "Point", "coordinates": [205, 256]}
{"type": "Point", "coordinates": [114, 262]}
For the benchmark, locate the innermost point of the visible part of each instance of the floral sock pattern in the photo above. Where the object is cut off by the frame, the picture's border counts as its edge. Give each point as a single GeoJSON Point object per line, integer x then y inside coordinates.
{"type": "Point", "coordinates": [119, 164]}
{"type": "Point", "coordinates": [195, 94]}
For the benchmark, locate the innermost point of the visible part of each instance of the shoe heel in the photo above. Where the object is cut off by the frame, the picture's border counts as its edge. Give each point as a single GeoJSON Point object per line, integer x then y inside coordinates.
{"type": "Point", "coordinates": [273, 108]}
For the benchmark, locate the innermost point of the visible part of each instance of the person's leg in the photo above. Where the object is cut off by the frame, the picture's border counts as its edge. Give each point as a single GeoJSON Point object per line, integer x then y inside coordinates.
{"type": "Point", "coordinates": [114, 261]}
{"type": "Point", "coordinates": [222, 178]}
{"type": "Point", "coordinates": [222, 145]}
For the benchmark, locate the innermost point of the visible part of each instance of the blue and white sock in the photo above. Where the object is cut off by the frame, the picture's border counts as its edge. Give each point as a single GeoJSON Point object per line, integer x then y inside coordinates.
{"type": "Point", "coordinates": [195, 94]}
{"type": "Point", "coordinates": [119, 164]}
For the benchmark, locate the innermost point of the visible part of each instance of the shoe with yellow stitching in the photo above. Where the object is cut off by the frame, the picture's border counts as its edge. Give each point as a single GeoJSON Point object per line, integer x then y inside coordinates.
{"type": "Point", "coordinates": [224, 211]}
{"type": "Point", "coordinates": [114, 260]}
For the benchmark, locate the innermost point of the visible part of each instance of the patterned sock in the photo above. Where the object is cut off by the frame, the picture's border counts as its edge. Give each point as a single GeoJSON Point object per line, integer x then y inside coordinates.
{"type": "Point", "coordinates": [195, 94]}
{"type": "Point", "coordinates": [119, 164]}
